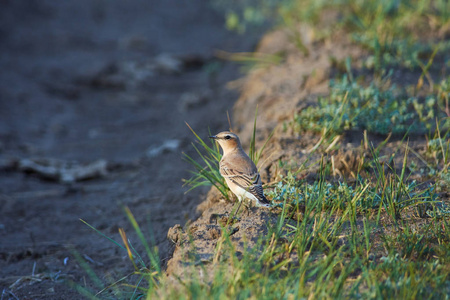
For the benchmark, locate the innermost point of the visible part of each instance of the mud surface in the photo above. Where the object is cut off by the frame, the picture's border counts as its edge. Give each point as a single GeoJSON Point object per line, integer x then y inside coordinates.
{"type": "Point", "coordinates": [83, 81]}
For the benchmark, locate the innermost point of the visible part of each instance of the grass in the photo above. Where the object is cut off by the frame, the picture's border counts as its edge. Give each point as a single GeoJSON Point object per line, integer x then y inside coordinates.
{"type": "Point", "coordinates": [378, 108]}
{"type": "Point", "coordinates": [254, 154]}
{"type": "Point", "coordinates": [333, 252]}
{"type": "Point", "coordinates": [350, 241]}
{"type": "Point", "coordinates": [207, 174]}
{"type": "Point", "coordinates": [147, 270]}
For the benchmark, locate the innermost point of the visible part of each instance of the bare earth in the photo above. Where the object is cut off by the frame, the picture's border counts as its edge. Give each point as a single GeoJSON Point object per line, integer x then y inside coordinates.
{"type": "Point", "coordinates": [83, 81]}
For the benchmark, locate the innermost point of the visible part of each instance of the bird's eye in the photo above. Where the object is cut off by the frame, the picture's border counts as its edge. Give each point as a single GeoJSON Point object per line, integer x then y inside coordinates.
{"type": "Point", "coordinates": [227, 137]}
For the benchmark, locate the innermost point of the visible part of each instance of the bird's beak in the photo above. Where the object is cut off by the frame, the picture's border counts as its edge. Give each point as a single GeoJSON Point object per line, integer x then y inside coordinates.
{"type": "Point", "coordinates": [213, 137]}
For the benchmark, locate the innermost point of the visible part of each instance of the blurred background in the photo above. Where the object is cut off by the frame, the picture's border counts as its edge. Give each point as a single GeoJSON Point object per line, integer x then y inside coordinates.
{"type": "Point", "coordinates": [94, 96]}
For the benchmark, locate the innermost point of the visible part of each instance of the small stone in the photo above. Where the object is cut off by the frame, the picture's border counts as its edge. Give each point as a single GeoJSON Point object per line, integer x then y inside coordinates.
{"type": "Point", "coordinates": [167, 146]}
{"type": "Point", "coordinates": [167, 64]}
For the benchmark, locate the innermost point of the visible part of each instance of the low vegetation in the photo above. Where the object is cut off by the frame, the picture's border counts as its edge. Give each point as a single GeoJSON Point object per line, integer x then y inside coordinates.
{"type": "Point", "coordinates": [377, 108]}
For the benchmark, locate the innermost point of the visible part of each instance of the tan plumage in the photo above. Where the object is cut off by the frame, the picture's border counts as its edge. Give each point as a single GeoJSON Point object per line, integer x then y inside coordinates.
{"type": "Point", "coordinates": [238, 169]}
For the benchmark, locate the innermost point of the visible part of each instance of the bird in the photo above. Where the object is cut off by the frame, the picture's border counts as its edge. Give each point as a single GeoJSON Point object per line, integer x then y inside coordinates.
{"type": "Point", "coordinates": [239, 170]}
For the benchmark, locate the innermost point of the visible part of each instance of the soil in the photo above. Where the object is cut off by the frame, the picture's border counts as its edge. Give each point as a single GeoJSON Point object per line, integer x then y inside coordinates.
{"type": "Point", "coordinates": [83, 81]}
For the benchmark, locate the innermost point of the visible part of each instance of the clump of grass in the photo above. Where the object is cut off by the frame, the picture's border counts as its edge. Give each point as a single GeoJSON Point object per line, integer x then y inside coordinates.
{"type": "Point", "coordinates": [373, 108]}
{"type": "Point", "coordinates": [394, 31]}
{"type": "Point", "coordinates": [401, 278]}
{"type": "Point", "coordinates": [207, 174]}
{"type": "Point", "coordinates": [392, 192]}
{"type": "Point", "coordinates": [254, 154]}
{"type": "Point", "coordinates": [438, 146]}
{"type": "Point", "coordinates": [147, 270]}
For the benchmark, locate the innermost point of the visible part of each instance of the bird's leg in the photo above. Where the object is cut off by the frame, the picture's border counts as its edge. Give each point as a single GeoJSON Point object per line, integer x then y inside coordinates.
{"type": "Point", "coordinates": [249, 207]}
{"type": "Point", "coordinates": [239, 206]}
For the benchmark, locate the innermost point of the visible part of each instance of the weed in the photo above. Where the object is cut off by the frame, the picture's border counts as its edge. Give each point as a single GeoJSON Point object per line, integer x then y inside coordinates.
{"type": "Point", "coordinates": [399, 278]}
{"type": "Point", "coordinates": [251, 60]}
{"type": "Point", "coordinates": [253, 153]}
{"type": "Point", "coordinates": [208, 174]}
{"type": "Point", "coordinates": [145, 276]}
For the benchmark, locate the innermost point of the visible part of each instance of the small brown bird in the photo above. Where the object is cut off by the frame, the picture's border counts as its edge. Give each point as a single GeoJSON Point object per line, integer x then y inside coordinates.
{"type": "Point", "coordinates": [238, 169]}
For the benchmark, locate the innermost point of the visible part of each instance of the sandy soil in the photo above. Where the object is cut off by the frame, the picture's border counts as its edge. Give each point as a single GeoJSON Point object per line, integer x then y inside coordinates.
{"type": "Point", "coordinates": [85, 80]}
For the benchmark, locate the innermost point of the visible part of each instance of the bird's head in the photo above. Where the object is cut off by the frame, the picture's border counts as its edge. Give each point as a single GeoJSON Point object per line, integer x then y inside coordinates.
{"type": "Point", "coordinates": [227, 140]}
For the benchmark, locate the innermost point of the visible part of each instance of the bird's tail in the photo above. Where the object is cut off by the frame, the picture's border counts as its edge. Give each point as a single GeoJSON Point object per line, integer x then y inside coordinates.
{"type": "Point", "coordinates": [262, 201]}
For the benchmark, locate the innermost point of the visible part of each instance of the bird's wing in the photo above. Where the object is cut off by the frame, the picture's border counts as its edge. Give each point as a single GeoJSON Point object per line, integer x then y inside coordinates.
{"type": "Point", "coordinates": [249, 182]}
{"type": "Point", "coordinates": [243, 180]}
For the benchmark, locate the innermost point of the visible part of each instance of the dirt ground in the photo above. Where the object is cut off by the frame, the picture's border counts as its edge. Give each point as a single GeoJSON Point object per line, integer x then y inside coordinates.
{"type": "Point", "coordinates": [83, 81]}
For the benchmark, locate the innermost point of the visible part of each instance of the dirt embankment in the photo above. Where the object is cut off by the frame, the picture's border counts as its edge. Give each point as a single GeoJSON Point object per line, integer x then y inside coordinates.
{"type": "Point", "coordinates": [279, 91]}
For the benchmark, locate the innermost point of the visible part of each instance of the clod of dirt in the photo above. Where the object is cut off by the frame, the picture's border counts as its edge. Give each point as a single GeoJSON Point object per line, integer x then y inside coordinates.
{"type": "Point", "coordinates": [175, 234]}
{"type": "Point", "coordinates": [205, 233]}
{"type": "Point", "coordinates": [64, 171]}
{"type": "Point", "coordinates": [193, 61]}
{"type": "Point", "coordinates": [214, 233]}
